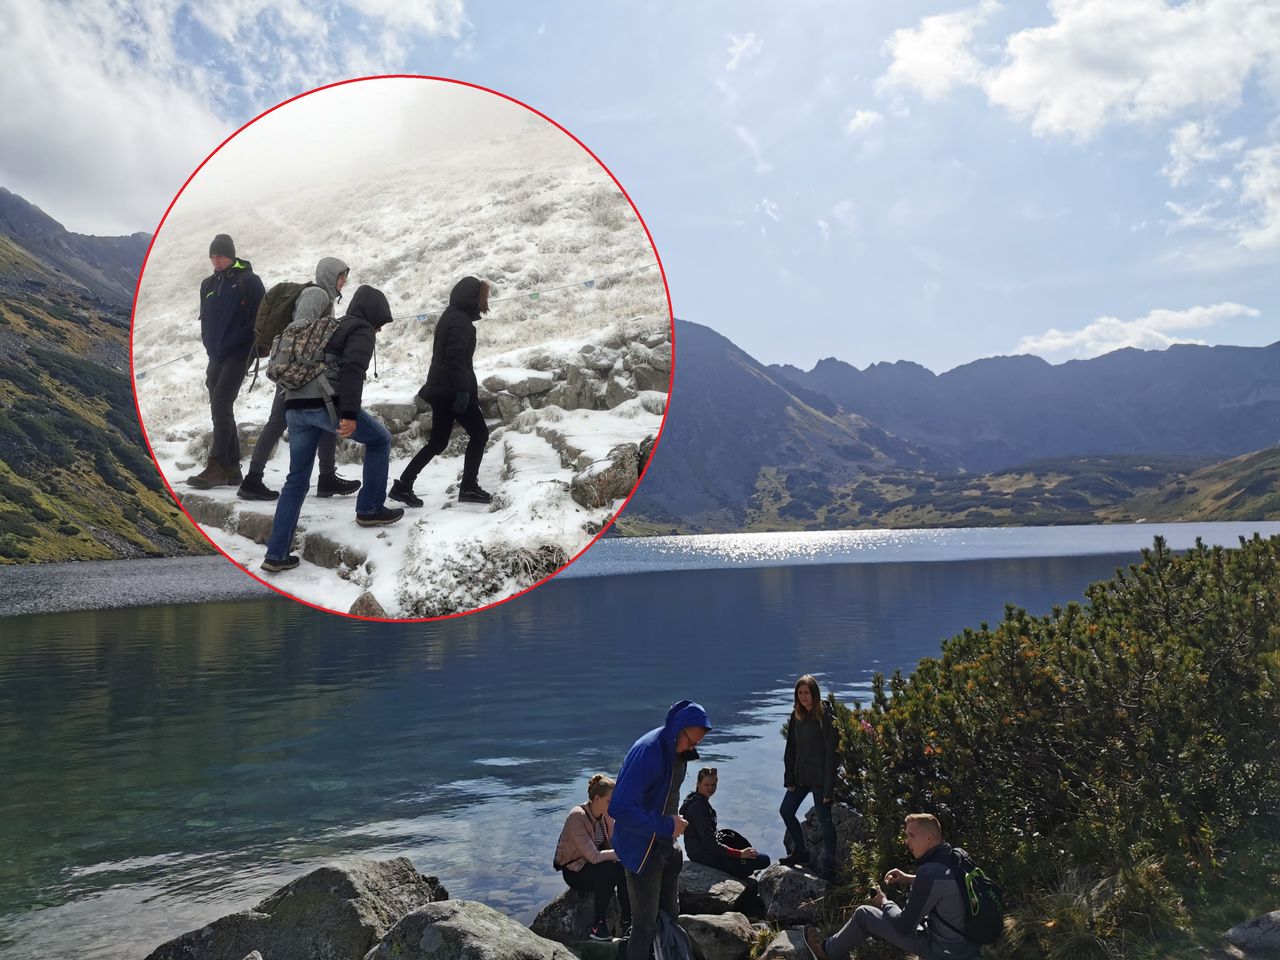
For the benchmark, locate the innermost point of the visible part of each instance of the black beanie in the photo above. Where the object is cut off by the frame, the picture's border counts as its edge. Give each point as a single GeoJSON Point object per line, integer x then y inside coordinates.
{"type": "Point", "coordinates": [222, 246]}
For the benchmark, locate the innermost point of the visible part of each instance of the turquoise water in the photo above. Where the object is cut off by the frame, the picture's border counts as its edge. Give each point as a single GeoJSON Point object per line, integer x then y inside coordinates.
{"type": "Point", "coordinates": [166, 765]}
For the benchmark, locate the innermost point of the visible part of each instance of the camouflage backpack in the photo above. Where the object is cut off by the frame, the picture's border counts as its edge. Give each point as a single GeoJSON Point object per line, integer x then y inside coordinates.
{"type": "Point", "coordinates": [275, 312]}
{"type": "Point", "coordinates": [298, 356]}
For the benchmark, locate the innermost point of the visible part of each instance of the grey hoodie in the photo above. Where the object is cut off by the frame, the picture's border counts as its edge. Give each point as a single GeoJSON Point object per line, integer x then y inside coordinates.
{"type": "Point", "coordinates": [315, 301]}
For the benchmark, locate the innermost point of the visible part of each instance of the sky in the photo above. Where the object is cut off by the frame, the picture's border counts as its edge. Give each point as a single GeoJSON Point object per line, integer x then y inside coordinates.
{"type": "Point", "coordinates": [924, 181]}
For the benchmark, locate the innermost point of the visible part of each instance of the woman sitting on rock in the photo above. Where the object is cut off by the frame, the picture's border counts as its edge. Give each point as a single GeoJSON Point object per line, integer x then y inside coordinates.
{"type": "Point", "coordinates": [700, 840]}
{"type": "Point", "coordinates": [452, 392]}
{"type": "Point", "coordinates": [584, 854]}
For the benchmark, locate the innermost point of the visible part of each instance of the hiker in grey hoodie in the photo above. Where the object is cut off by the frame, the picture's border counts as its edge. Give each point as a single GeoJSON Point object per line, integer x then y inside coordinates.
{"type": "Point", "coordinates": [929, 925]}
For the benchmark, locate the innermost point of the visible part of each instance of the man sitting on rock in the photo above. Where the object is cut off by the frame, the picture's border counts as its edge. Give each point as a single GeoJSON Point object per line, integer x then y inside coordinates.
{"type": "Point", "coordinates": [700, 838]}
{"type": "Point", "coordinates": [929, 925]}
{"type": "Point", "coordinates": [646, 823]}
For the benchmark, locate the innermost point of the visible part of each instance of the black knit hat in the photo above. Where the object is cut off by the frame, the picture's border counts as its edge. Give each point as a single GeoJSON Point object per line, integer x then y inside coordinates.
{"type": "Point", "coordinates": [222, 247]}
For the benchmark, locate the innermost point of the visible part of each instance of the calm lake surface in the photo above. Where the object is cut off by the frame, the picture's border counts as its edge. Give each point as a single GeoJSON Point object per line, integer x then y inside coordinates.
{"type": "Point", "coordinates": [165, 765]}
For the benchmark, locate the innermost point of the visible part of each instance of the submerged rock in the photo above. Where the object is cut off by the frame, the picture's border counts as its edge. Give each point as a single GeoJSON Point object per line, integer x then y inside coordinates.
{"type": "Point", "coordinates": [462, 928]}
{"type": "Point", "coordinates": [335, 912]}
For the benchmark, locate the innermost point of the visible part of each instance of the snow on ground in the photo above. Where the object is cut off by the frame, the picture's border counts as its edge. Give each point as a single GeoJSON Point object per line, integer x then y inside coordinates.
{"type": "Point", "coordinates": [527, 212]}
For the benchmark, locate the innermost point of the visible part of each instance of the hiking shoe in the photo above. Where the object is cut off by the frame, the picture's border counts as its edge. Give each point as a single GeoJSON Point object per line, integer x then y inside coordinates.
{"type": "Point", "coordinates": [214, 474]}
{"type": "Point", "coordinates": [379, 518]}
{"type": "Point", "coordinates": [252, 488]}
{"type": "Point", "coordinates": [276, 566]}
{"type": "Point", "coordinates": [402, 492]}
{"type": "Point", "coordinates": [473, 495]}
{"type": "Point", "coordinates": [599, 931]}
{"type": "Point", "coordinates": [332, 485]}
{"type": "Point", "coordinates": [795, 860]}
{"type": "Point", "coordinates": [813, 940]}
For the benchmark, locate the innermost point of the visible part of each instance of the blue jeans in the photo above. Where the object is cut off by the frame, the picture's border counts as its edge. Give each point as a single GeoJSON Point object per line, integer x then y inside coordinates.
{"type": "Point", "coordinates": [305, 429]}
{"type": "Point", "coordinates": [790, 804]}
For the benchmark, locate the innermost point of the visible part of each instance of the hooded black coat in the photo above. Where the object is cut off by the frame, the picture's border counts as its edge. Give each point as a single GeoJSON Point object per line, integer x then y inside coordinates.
{"type": "Point", "coordinates": [454, 346]}
{"type": "Point", "coordinates": [349, 351]}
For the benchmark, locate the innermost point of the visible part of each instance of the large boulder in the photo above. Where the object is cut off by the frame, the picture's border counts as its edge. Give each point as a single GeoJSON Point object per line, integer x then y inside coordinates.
{"type": "Point", "coordinates": [335, 912]}
{"type": "Point", "coordinates": [619, 390]}
{"type": "Point", "coordinates": [569, 916]}
{"type": "Point", "coordinates": [787, 945]}
{"type": "Point", "coordinates": [849, 829]}
{"type": "Point", "coordinates": [706, 890]}
{"type": "Point", "coordinates": [509, 407]}
{"type": "Point", "coordinates": [790, 895]}
{"type": "Point", "coordinates": [646, 377]}
{"type": "Point", "coordinates": [530, 386]}
{"type": "Point", "coordinates": [724, 936]}
{"type": "Point", "coordinates": [608, 479]}
{"type": "Point", "coordinates": [1260, 933]}
{"type": "Point", "coordinates": [464, 929]}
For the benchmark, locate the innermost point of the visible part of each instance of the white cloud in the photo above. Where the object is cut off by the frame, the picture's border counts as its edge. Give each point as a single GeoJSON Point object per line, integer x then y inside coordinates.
{"type": "Point", "coordinates": [935, 57]}
{"type": "Point", "coordinates": [863, 121]}
{"type": "Point", "coordinates": [1260, 194]}
{"type": "Point", "coordinates": [768, 208]}
{"type": "Point", "coordinates": [742, 49]}
{"type": "Point", "coordinates": [1155, 331]}
{"type": "Point", "coordinates": [1191, 144]}
{"type": "Point", "coordinates": [104, 119]}
{"type": "Point", "coordinates": [749, 141]}
{"type": "Point", "coordinates": [1098, 62]}
{"type": "Point", "coordinates": [1101, 61]}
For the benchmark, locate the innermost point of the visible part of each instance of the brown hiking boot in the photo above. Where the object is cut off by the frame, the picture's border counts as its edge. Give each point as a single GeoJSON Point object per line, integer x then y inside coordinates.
{"type": "Point", "coordinates": [214, 474]}
{"type": "Point", "coordinates": [813, 940]}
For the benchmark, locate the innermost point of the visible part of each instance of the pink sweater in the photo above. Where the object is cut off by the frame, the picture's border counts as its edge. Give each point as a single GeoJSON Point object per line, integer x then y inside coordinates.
{"type": "Point", "coordinates": [577, 846]}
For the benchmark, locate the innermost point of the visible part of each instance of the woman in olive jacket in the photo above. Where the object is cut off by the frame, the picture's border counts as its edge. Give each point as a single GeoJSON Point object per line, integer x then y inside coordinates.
{"type": "Point", "coordinates": [809, 768]}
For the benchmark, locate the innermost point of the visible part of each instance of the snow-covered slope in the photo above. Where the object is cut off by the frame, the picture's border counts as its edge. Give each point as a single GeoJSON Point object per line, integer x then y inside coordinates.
{"type": "Point", "coordinates": [575, 378]}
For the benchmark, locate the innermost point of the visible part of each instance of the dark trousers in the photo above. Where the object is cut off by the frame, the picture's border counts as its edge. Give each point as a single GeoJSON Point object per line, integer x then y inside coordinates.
{"type": "Point", "coordinates": [790, 804]}
{"type": "Point", "coordinates": [273, 429]}
{"type": "Point", "coordinates": [656, 889]}
{"type": "Point", "coordinates": [602, 879]}
{"type": "Point", "coordinates": [223, 378]}
{"type": "Point", "coordinates": [734, 866]}
{"type": "Point", "coordinates": [442, 421]}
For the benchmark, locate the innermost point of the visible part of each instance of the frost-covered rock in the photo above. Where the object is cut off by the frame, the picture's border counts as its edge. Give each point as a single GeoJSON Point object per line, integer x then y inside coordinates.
{"type": "Point", "coordinates": [509, 406]}
{"type": "Point", "coordinates": [1259, 933]}
{"type": "Point", "coordinates": [462, 928]}
{"type": "Point", "coordinates": [609, 479]}
{"type": "Point", "coordinates": [646, 451]}
{"type": "Point", "coordinates": [790, 895]}
{"type": "Point", "coordinates": [660, 357]}
{"type": "Point", "coordinates": [253, 525]}
{"type": "Point", "coordinates": [725, 936]}
{"type": "Point", "coordinates": [706, 890]}
{"type": "Point", "coordinates": [530, 386]}
{"type": "Point", "coordinates": [646, 377]}
{"type": "Point", "coordinates": [207, 510]}
{"type": "Point", "coordinates": [324, 551]}
{"type": "Point", "coordinates": [339, 910]}
{"type": "Point", "coordinates": [568, 918]}
{"type": "Point", "coordinates": [618, 390]}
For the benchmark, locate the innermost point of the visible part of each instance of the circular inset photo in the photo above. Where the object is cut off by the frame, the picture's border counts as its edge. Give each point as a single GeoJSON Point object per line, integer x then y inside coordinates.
{"type": "Point", "coordinates": [402, 347]}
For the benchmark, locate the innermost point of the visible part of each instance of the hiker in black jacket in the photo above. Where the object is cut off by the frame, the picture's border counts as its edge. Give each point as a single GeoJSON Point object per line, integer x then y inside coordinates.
{"type": "Point", "coordinates": [229, 300]}
{"type": "Point", "coordinates": [307, 412]}
{"type": "Point", "coordinates": [809, 766]}
{"type": "Point", "coordinates": [451, 390]}
{"type": "Point", "coordinates": [700, 841]}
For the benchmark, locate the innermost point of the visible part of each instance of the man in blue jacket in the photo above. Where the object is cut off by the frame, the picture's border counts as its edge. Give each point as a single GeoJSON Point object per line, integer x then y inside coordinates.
{"type": "Point", "coordinates": [229, 301]}
{"type": "Point", "coordinates": [646, 823]}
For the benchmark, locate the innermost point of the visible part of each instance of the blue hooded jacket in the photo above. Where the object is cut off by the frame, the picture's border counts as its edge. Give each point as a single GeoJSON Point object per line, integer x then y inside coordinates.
{"type": "Point", "coordinates": [643, 784]}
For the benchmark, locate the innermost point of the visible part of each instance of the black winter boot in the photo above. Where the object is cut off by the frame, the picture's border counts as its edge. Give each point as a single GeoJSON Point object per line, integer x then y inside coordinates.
{"type": "Point", "coordinates": [331, 485]}
{"type": "Point", "coordinates": [380, 518]}
{"type": "Point", "coordinates": [252, 488]}
{"type": "Point", "coordinates": [402, 492]}
{"type": "Point", "coordinates": [474, 495]}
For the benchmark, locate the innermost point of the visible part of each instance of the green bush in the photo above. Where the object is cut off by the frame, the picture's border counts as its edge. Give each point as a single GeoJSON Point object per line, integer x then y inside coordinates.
{"type": "Point", "coordinates": [1130, 738]}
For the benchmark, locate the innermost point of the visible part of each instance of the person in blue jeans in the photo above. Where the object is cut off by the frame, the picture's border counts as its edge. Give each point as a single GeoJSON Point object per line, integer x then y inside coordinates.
{"type": "Point", "coordinates": [308, 412]}
{"type": "Point", "coordinates": [809, 768]}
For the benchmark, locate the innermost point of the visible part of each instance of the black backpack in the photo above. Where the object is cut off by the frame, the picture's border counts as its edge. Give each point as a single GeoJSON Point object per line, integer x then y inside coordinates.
{"type": "Point", "coordinates": [982, 896]}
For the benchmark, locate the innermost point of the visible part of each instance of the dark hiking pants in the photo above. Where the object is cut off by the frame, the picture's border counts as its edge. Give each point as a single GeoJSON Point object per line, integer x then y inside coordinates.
{"type": "Point", "coordinates": [442, 421]}
{"type": "Point", "coordinates": [657, 888]}
{"type": "Point", "coordinates": [602, 879]}
{"type": "Point", "coordinates": [223, 378]}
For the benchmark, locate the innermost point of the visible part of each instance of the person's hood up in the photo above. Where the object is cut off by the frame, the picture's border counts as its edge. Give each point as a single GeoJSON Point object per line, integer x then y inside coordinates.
{"type": "Point", "coordinates": [466, 296]}
{"type": "Point", "coordinates": [370, 303]}
{"type": "Point", "coordinates": [327, 271]}
{"type": "Point", "coordinates": [684, 713]}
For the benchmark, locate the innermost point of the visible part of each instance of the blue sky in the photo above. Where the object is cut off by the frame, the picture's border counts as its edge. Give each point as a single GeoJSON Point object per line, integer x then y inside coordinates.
{"type": "Point", "coordinates": [872, 181]}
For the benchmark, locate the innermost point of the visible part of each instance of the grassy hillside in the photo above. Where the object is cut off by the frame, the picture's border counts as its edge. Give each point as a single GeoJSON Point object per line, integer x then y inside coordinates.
{"type": "Point", "coordinates": [76, 482]}
{"type": "Point", "coordinates": [1243, 488]}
